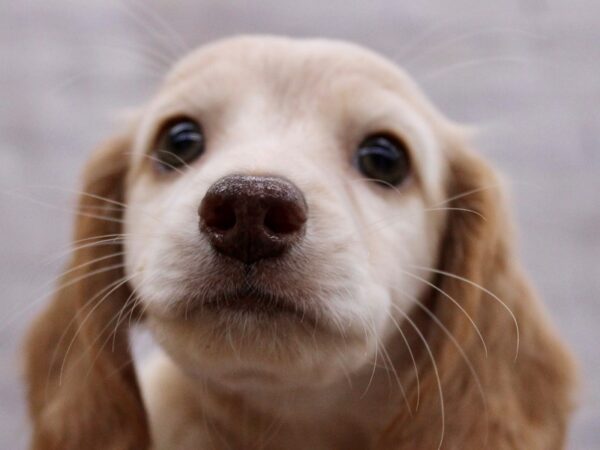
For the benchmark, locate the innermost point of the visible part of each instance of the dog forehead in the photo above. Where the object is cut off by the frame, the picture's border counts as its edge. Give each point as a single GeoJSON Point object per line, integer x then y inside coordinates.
{"type": "Point", "coordinates": [293, 71]}
{"type": "Point", "coordinates": [288, 61]}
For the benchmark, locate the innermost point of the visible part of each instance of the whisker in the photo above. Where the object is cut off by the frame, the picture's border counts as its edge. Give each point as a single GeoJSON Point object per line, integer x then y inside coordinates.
{"type": "Point", "coordinates": [441, 26]}
{"type": "Point", "coordinates": [448, 43]}
{"type": "Point", "coordinates": [459, 348]}
{"type": "Point", "coordinates": [92, 261]}
{"type": "Point", "coordinates": [97, 338]}
{"type": "Point", "coordinates": [458, 209]}
{"type": "Point", "coordinates": [467, 193]}
{"type": "Point", "coordinates": [95, 241]}
{"type": "Point", "coordinates": [151, 14]}
{"type": "Point", "coordinates": [412, 357]}
{"type": "Point", "coordinates": [99, 243]}
{"type": "Point", "coordinates": [78, 192]}
{"type": "Point", "coordinates": [99, 217]}
{"type": "Point", "coordinates": [155, 60]}
{"type": "Point", "coordinates": [343, 365]}
{"type": "Point", "coordinates": [487, 291]}
{"type": "Point", "coordinates": [368, 328]}
{"type": "Point", "coordinates": [98, 238]}
{"type": "Point", "coordinates": [181, 160]}
{"type": "Point", "coordinates": [393, 369]}
{"type": "Point", "coordinates": [80, 327]}
{"type": "Point", "coordinates": [82, 265]}
{"type": "Point", "coordinates": [83, 243]}
{"type": "Point", "coordinates": [389, 220]}
{"type": "Point", "coordinates": [150, 72]}
{"type": "Point", "coordinates": [157, 160]}
{"type": "Point", "coordinates": [375, 180]}
{"type": "Point", "coordinates": [127, 305]}
{"type": "Point", "coordinates": [22, 310]}
{"type": "Point", "coordinates": [140, 16]}
{"type": "Point", "coordinates": [131, 297]}
{"type": "Point", "coordinates": [269, 434]}
{"type": "Point", "coordinates": [435, 369]}
{"type": "Point", "coordinates": [76, 212]}
{"type": "Point", "coordinates": [381, 224]}
{"type": "Point", "coordinates": [458, 305]}
{"type": "Point", "coordinates": [68, 327]}
{"type": "Point", "coordinates": [471, 63]}
{"type": "Point", "coordinates": [97, 197]}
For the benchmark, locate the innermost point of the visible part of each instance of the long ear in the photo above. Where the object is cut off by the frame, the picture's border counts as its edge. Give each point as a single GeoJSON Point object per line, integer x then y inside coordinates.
{"type": "Point", "coordinates": [513, 390]}
{"type": "Point", "coordinates": [82, 388]}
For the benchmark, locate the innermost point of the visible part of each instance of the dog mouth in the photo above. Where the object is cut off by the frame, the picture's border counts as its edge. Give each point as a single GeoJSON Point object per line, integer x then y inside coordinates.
{"type": "Point", "coordinates": [250, 302]}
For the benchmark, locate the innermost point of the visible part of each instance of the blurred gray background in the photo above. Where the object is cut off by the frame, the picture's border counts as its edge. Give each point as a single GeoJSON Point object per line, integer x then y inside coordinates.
{"type": "Point", "coordinates": [526, 71]}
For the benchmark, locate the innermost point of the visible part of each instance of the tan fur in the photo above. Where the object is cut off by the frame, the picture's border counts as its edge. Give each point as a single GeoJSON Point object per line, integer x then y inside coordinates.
{"type": "Point", "coordinates": [82, 387]}
{"type": "Point", "coordinates": [528, 399]}
{"type": "Point", "coordinates": [81, 394]}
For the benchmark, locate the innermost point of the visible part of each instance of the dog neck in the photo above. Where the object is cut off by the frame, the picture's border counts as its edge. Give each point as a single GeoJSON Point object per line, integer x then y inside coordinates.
{"type": "Point", "coordinates": [347, 414]}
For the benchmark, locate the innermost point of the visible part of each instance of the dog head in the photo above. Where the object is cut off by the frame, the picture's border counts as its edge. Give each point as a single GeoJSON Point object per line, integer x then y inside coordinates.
{"type": "Point", "coordinates": [274, 214]}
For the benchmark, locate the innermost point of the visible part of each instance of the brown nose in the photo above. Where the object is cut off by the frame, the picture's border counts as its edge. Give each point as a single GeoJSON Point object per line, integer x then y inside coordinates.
{"type": "Point", "coordinates": [250, 218]}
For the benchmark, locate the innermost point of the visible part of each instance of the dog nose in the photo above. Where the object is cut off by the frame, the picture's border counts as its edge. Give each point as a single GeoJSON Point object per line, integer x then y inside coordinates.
{"type": "Point", "coordinates": [250, 218]}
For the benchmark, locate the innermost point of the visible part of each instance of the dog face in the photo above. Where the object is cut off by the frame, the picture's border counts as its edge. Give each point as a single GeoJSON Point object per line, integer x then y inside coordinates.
{"type": "Point", "coordinates": [237, 128]}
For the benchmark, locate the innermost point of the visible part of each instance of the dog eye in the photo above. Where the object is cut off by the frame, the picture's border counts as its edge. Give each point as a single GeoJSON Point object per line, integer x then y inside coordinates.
{"type": "Point", "coordinates": [179, 143]}
{"type": "Point", "coordinates": [384, 159]}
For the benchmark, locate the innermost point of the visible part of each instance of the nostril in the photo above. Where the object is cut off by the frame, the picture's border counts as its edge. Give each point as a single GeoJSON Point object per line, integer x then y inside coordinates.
{"type": "Point", "coordinates": [284, 219]}
{"type": "Point", "coordinates": [218, 216]}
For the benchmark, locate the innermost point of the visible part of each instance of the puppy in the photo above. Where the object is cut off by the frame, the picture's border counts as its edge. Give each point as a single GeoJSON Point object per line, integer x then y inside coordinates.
{"type": "Point", "coordinates": [322, 259]}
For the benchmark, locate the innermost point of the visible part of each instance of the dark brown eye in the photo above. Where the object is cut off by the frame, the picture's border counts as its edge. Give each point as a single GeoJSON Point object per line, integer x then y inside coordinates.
{"type": "Point", "coordinates": [180, 142]}
{"type": "Point", "coordinates": [383, 159]}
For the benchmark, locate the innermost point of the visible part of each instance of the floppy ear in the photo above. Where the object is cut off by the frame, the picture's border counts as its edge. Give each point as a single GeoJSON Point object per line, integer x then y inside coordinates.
{"type": "Point", "coordinates": [489, 400]}
{"type": "Point", "coordinates": [82, 387]}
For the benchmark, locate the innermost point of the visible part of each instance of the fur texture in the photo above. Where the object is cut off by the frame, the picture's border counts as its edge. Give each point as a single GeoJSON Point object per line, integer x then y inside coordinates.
{"type": "Point", "coordinates": [418, 328]}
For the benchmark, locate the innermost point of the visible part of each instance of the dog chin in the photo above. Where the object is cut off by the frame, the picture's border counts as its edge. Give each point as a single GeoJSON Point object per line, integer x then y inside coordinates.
{"type": "Point", "coordinates": [240, 346]}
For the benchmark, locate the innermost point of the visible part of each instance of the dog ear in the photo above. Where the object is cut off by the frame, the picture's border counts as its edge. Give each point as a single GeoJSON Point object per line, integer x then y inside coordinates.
{"type": "Point", "coordinates": [504, 376]}
{"type": "Point", "coordinates": [82, 387]}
